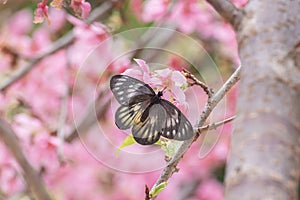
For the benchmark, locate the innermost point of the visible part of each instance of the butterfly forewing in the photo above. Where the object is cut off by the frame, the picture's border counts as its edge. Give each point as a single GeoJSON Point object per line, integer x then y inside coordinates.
{"type": "Point", "coordinates": [176, 124]}
{"type": "Point", "coordinates": [149, 116]}
{"type": "Point", "coordinates": [148, 131]}
{"type": "Point", "coordinates": [130, 90]}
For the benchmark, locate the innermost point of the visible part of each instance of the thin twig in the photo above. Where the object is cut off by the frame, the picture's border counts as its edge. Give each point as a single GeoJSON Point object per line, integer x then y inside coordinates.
{"type": "Point", "coordinates": [210, 105]}
{"type": "Point", "coordinates": [57, 45]}
{"type": "Point", "coordinates": [34, 182]}
{"type": "Point", "coordinates": [228, 11]}
{"type": "Point", "coordinates": [215, 125]}
{"type": "Point", "coordinates": [63, 111]}
{"type": "Point", "coordinates": [60, 43]}
{"type": "Point", "coordinates": [195, 81]}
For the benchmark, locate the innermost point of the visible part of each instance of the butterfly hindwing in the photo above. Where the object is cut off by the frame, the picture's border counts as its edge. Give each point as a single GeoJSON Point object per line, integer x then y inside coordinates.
{"type": "Point", "coordinates": [176, 124]}
{"type": "Point", "coordinates": [130, 90]}
{"type": "Point", "coordinates": [148, 131]}
{"type": "Point", "coordinates": [126, 114]}
{"type": "Point", "coordinates": [149, 116]}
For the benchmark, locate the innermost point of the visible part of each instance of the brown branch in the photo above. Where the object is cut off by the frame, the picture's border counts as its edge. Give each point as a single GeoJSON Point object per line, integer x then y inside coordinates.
{"type": "Point", "coordinates": [195, 81]}
{"type": "Point", "coordinates": [60, 43]}
{"type": "Point", "coordinates": [31, 176]}
{"type": "Point", "coordinates": [210, 105]}
{"type": "Point", "coordinates": [215, 125]}
{"type": "Point", "coordinates": [63, 109]}
{"type": "Point", "coordinates": [228, 11]}
{"type": "Point", "coordinates": [57, 45]}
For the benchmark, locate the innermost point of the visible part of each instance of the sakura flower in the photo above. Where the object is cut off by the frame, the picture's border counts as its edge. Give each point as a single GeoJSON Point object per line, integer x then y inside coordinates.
{"type": "Point", "coordinates": [184, 11]}
{"type": "Point", "coordinates": [41, 13]}
{"type": "Point", "coordinates": [20, 23]}
{"type": "Point", "coordinates": [10, 181]}
{"type": "Point", "coordinates": [81, 7]}
{"type": "Point", "coordinates": [143, 73]}
{"type": "Point", "coordinates": [88, 37]}
{"type": "Point", "coordinates": [58, 20]}
{"type": "Point", "coordinates": [174, 80]}
{"type": "Point", "coordinates": [93, 33]}
{"type": "Point", "coordinates": [154, 10]}
{"type": "Point", "coordinates": [142, 65]}
{"type": "Point", "coordinates": [45, 147]}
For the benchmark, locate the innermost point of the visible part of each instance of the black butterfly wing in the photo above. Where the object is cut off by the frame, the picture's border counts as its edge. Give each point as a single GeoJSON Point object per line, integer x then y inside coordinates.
{"type": "Point", "coordinates": [128, 90]}
{"type": "Point", "coordinates": [126, 114]}
{"type": "Point", "coordinates": [149, 121]}
{"type": "Point", "coordinates": [176, 124]}
{"type": "Point", "coordinates": [148, 131]}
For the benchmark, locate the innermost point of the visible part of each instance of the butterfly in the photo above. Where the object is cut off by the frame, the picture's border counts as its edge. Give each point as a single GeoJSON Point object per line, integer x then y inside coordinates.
{"type": "Point", "coordinates": [147, 113]}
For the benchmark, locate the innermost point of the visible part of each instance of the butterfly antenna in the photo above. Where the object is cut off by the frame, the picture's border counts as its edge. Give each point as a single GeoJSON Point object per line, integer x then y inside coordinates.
{"type": "Point", "coordinates": [164, 89]}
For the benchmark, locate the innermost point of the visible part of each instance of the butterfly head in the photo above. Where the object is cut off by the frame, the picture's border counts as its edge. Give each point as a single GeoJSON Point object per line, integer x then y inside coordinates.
{"type": "Point", "coordinates": [160, 93]}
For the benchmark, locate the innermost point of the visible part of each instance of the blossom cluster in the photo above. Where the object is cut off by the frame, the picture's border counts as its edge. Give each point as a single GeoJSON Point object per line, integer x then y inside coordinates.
{"type": "Point", "coordinates": [87, 167]}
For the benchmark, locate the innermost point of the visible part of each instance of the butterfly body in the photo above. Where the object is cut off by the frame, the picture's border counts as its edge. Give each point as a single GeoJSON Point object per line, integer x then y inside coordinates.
{"type": "Point", "coordinates": [147, 113]}
{"type": "Point", "coordinates": [154, 100]}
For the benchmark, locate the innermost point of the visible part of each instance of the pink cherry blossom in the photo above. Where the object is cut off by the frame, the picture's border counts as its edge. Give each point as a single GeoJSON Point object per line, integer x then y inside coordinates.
{"type": "Point", "coordinates": [20, 23]}
{"type": "Point", "coordinates": [82, 7]}
{"type": "Point", "coordinates": [41, 13]}
{"type": "Point", "coordinates": [10, 182]}
{"type": "Point", "coordinates": [58, 20]}
{"type": "Point", "coordinates": [154, 10]}
{"type": "Point", "coordinates": [184, 11]}
{"type": "Point", "coordinates": [142, 64]}
{"type": "Point", "coordinates": [33, 104]}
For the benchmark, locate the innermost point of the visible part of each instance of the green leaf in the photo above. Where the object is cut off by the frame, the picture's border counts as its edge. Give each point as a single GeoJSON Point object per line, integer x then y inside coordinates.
{"type": "Point", "coordinates": [155, 191]}
{"type": "Point", "coordinates": [159, 142]}
{"type": "Point", "coordinates": [129, 140]}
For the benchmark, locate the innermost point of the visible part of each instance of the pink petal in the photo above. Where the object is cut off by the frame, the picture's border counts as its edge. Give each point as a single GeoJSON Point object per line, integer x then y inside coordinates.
{"type": "Point", "coordinates": [142, 64]}
{"type": "Point", "coordinates": [178, 78]}
{"type": "Point", "coordinates": [163, 73]}
{"type": "Point", "coordinates": [85, 9]}
{"type": "Point", "coordinates": [133, 73]}
{"type": "Point", "coordinates": [178, 94]}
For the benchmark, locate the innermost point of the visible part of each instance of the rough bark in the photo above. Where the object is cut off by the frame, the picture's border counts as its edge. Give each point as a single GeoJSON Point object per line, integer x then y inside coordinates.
{"type": "Point", "coordinates": [264, 161]}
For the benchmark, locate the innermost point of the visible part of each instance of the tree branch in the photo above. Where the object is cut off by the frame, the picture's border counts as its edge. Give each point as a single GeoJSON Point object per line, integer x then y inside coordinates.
{"type": "Point", "coordinates": [228, 11]}
{"type": "Point", "coordinates": [215, 125]}
{"type": "Point", "coordinates": [57, 45]}
{"type": "Point", "coordinates": [210, 105]}
{"type": "Point", "coordinates": [32, 178]}
{"type": "Point", "coordinates": [195, 81]}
